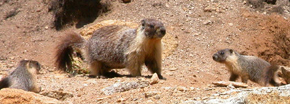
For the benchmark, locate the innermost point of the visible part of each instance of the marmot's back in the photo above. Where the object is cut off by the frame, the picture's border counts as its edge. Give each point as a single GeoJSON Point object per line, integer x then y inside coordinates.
{"type": "Point", "coordinates": [254, 66]}
{"type": "Point", "coordinates": [108, 44]}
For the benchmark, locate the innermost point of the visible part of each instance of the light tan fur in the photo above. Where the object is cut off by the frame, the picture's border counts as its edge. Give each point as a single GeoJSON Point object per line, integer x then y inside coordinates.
{"type": "Point", "coordinates": [140, 48]}
{"type": "Point", "coordinates": [232, 64]}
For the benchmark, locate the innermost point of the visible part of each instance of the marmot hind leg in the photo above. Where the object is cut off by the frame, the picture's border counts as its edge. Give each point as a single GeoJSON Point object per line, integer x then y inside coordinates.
{"type": "Point", "coordinates": [98, 71]}
{"type": "Point", "coordinates": [245, 79]}
{"type": "Point", "coordinates": [95, 69]}
{"type": "Point", "coordinates": [234, 77]}
{"type": "Point", "coordinates": [135, 71]}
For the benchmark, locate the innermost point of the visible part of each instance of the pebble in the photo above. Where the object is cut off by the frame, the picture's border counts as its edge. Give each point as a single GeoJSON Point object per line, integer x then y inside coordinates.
{"type": "Point", "coordinates": [191, 88]}
{"type": "Point", "coordinates": [209, 9]}
{"type": "Point", "coordinates": [172, 69]}
{"type": "Point", "coordinates": [166, 88]}
{"type": "Point", "coordinates": [169, 73]}
{"type": "Point", "coordinates": [207, 22]}
{"type": "Point", "coordinates": [154, 79]}
{"type": "Point", "coordinates": [121, 100]}
{"type": "Point", "coordinates": [157, 97]}
{"type": "Point", "coordinates": [151, 94]}
{"type": "Point", "coordinates": [181, 88]}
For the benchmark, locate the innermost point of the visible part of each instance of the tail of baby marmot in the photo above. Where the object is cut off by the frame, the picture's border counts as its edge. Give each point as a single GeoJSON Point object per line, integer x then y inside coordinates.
{"type": "Point", "coordinates": [4, 83]}
{"type": "Point", "coordinates": [271, 76]}
{"type": "Point", "coordinates": [65, 48]}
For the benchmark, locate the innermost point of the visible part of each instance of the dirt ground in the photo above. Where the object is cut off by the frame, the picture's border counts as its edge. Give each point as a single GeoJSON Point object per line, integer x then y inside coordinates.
{"type": "Point", "coordinates": [200, 27]}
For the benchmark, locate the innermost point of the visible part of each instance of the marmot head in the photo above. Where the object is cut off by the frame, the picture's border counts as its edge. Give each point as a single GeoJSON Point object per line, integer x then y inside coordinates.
{"type": "Point", "coordinates": [222, 55]}
{"type": "Point", "coordinates": [153, 28]}
{"type": "Point", "coordinates": [32, 66]}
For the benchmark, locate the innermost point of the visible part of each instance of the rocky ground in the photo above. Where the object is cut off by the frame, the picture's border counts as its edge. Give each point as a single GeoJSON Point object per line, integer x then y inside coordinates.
{"type": "Point", "coordinates": [198, 28]}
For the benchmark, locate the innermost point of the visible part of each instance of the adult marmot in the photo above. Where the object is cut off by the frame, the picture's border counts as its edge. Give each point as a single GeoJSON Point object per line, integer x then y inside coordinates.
{"type": "Point", "coordinates": [248, 67]}
{"type": "Point", "coordinates": [23, 77]}
{"type": "Point", "coordinates": [114, 47]}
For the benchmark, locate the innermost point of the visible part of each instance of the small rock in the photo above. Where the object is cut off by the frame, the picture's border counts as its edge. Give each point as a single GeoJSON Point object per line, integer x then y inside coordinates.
{"type": "Point", "coordinates": [157, 97]}
{"type": "Point", "coordinates": [99, 99]}
{"type": "Point", "coordinates": [180, 88]}
{"type": "Point", "coordinates": [173, 69]}
{"type": "Point", "coordinates": [207, 22]}
{"type": "Point", "coordinates": [204, 98]}
{"type": "Point", "coordinates": [154, 79]}
{"type": "Point", "coordinates": [166, 88]}
{"type": "Point", "coordinates": [121, 100]}
{"type": "Point", "coordinates": [231, 24]}
{"type": "Point", "coordinates": [161, 81]}
{"type": "Point", "coordinates": [151, 93]}
{"type": "Point", "coordinates": [209, 9]}
{"type": "Point", "coordinates": [149, 102]}
{"type": "Point", "coordinates": [192, 88]}
{"type": "Point", "coordinates": [166, 5]}
{"type": "Point", "coordinates": [169, 73]}
{"type": "Point", "coordinates": [208, 89]}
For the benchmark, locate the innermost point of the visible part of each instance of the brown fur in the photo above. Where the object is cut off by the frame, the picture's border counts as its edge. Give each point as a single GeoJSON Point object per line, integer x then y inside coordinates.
{"type": "Point", "coordinates": [71, 41]}
{"type": "Point", "coordinates": [118, 46]}
{"type": "Point", "coordinates": [248, 67]}
{"type": "Point", "coordinates": [23, 77]}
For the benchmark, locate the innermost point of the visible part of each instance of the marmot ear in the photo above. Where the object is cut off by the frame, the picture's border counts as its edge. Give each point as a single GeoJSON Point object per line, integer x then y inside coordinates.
{"type": "Point", "coordinates": [231, 51]}
{"type": "Point", "coordinates": [143, 22]}
{"type": "Point", "coordinates": [38, 65]}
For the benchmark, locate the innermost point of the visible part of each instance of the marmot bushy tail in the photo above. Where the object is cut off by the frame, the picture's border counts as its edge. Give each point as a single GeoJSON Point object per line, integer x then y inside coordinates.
{"type": "Point", "coordinates": [70, 42]}
{"type": "Point", "coordinates": [4, 83]}
{"type": "Point", "coordinates": [23, 77]}
{"type": "Point", "coordinates": [247, 67]}
{"type": "Point", "coordinates": [271, 75]}
{"type": "Point", "coordinates": [115, 47]}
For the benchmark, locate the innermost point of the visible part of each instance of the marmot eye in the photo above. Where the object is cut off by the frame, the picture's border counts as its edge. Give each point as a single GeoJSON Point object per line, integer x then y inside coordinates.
{"type": "Point", "coordinates": [222, 53]}
{"type": "Point", "coordinates": [151, 26]}
{"type": "Point", "coordinates": [162, 31]}
{"type": "Point", "coordinates": [143, 22]}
